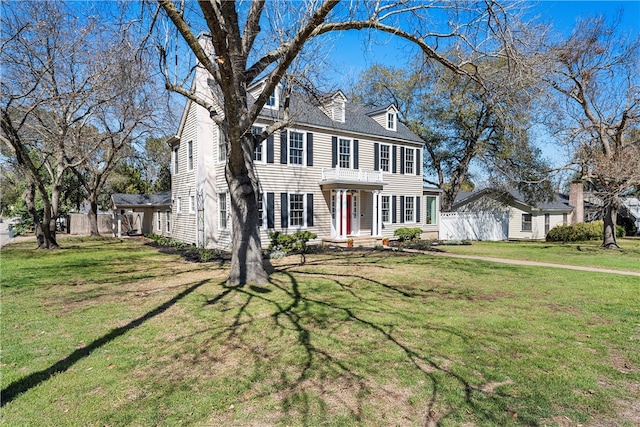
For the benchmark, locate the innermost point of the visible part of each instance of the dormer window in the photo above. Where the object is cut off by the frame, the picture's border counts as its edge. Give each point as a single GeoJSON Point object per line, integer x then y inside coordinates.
{"type": "Point", "coordinates": [271, 101]}
{"type": "Point", "coordinates": [391, 120]}
{"type": "Point", "coordinates": [334, 106]}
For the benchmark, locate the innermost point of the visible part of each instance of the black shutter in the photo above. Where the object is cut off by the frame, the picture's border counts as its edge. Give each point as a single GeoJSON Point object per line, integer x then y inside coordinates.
{"type": "Point", "coordinates": [355, 154]}
{"type": "Point", "coordinates": [394, 156]}
{"type": "Point", "coordinates": [284, 210]}
{"type": "Point", "coordinates": [418, 162]}
{"type": "Point", "coordinates": [334, 151]}
{"type": "Point", "coordinates": [270, 149]}
{"type": "Point", "coordinates": [283, 147]}
{"type": "Point", "coordinates": [402, 160]}
{"type": "Point", "coordinates": [310, 210]}
{"type": "Point", "coordinates": [309, 149]}
{"type": "Point", "coordinates": [393, 210]}
{"type": "Point", "coordinates": [376, 156]}
{"type": "Point", "coordinates": [418, 209]}
{"type": "Point", "coordinates": [401, 208]}
{"type": "Point", "coordinates": [270, 211]}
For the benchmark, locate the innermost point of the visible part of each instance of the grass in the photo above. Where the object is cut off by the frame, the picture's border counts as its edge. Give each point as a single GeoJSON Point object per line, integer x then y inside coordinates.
{"type": "Point", "coordinates": [109, 332]}
{"type": "Point", "coordinates": [589, 254]}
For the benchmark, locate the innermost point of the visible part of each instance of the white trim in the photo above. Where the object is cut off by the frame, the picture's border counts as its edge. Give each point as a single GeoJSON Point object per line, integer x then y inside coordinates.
{"type": "Point", "coordinates": [223, 196]}
{"type": "Point", "coordinates": [304, 211]}
{"type": "Point", "coordinates": [304, 148]}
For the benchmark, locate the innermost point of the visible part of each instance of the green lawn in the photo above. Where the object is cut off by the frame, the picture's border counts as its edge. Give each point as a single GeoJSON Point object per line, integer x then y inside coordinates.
{"type": "Point", "coordinates": [116, 333]}
{"type": "Point", "coordinates": [589, 254]}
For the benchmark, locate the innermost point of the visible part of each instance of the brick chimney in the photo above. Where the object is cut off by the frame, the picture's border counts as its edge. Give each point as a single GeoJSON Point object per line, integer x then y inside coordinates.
{"type": "Point", "coordinates": [576, 199]}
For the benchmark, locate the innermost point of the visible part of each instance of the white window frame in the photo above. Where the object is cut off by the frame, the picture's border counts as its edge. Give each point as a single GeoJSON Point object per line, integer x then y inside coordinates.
{"type": "Point", "coordinates": [272, 101]}
{"type": "Point", "coordinates": [190, 155]}
{"type": "Point", "coordinates": [388, 158]}
{"type": "Point", "coordinates": [176, 160]}
{"type": "Point", "coordinates": [409, 219]}
{"type": "Point", "coordinates": [304, 211]}
{"type": "Point", "coordinates": [179, 205]}
{"type": "Point", "coordinates": [168, 221]}
{"type": "Point", "coordinates": [350, 153]}
{"type": "Point", "coordinates": [409, 164]}
{"type": "Point", "coordinates": [222, 148]}
{"type": "Point", "coordinates": [192, 204]}
{"type": "Point", "coordinates": [261, 148]}
{"type": "Point", "coordinates": [530, 222]}
{"type": "Point", "coordinates": [384, 198]}
{"type": "Point", "coordinates": [303, 160]}
{"type": "Point", "coordinates": [223, 220]}
{"type": "Point", "coordinates": [427, 210]}
{"type": "Point", "coordinates": [262, 209]}
{"type": "Point", "coordinates": [158, 221]}
{"type": "Point", "coordinates": [391, 120]}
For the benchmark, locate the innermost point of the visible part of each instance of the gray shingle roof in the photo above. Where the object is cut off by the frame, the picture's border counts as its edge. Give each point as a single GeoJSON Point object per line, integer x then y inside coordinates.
{"type": "Point", "coordinates": [305, 111]}
{"type": "Point", "coordinates": [559, 203]}
{"type": "Point", "coordinates": [121, 200]}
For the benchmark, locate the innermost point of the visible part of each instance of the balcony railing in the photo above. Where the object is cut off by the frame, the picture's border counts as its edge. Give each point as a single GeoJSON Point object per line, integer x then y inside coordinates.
{"type": "Point", "coordinates": [351, 175]}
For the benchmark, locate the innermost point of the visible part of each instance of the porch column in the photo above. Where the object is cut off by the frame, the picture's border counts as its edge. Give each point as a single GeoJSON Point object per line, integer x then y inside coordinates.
{"type": "Point", "coordinates": [379, 213]}
{"type": "Point", "coordinates": [343, 224]}
{"type": "Point", "coordinates": [338, 212]}
{"type": "Point", "coordinates": [374, 216]}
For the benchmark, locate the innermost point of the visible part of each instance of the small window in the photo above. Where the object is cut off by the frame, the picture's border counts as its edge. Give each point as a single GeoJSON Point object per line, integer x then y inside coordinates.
{"type": "Point", "coordinates": [258, 152]}
{"type": "Point", "coordinates": [384, 157]}
{"type": "Point", "coordinates": [222, 148]}
{"type": "Point", "coordinates": [179, 205]}
{"type": "Point", "coordinates": [432, 210]}
{"type": "Point", "coordinates": [158, 221]}
{"type": "Point", "coordinates": [261, 211]}
{"type": "Point", "coordinates": [168, 218]}
{"type": "Point", "coordinates": [386, 217]}
{"type": "Point", "coordinates": [564, 218]}
{"type": "Point", "coordinates": [271, 101]}
{"type": "Point", "coordinates": [409, 209]}
{"type": "Point", "coordinates": [526, 222]}
{"type": "Point", "coordinates": [175, 160]}
{"type": "Point", "coordinates": [296, 148]}
{"type": "Point", "coordinates": [192, 204]}
{"type": "Point", "coordinates": [391, 121]}
{"type": "Point", "coordinates": [190, 155]}
{"type": "Point", "coordinates": [222, 211]}
{"type": "Point", "coordinates": [296, 210]}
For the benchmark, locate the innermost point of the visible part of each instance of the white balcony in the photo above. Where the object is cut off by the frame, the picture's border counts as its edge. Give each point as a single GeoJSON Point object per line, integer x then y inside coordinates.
{"type": "Point", "coordinates": [351, 176]}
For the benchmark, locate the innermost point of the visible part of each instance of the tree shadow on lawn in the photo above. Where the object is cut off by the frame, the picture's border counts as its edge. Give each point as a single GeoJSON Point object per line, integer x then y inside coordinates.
{"type": "Point", "coordinates": [20, 386]}
{"type": "Point", "coordinates": [312, 388]}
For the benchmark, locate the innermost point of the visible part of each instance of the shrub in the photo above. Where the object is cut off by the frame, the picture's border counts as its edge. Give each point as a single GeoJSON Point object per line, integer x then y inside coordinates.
{"type": "Point", "coordinates": [290, 242]}
{"type": "Point", "coordinates": [407, 234]}
{"type": "Point", "coordinates": [580, 232]}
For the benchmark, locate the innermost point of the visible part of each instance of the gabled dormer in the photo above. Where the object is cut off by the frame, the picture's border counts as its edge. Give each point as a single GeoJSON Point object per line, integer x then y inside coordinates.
{"type": "Point", "coordinates": [334, 107]}
{"type": "Point", "coordinates": [386, 117]}
{"type": "Point", "coordinates": [273, 102]}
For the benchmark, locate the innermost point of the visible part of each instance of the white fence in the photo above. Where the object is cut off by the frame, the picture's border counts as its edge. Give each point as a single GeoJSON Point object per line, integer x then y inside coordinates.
{"type": "Point", "coordinates": [474, 225]}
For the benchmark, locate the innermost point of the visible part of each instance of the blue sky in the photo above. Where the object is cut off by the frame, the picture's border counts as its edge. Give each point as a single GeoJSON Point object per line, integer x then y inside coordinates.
{"type": "Point", "coordinates": [353, 54]}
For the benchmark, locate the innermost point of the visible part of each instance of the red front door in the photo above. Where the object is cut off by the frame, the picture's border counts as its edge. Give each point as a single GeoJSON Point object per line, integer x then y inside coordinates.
{"type": "Point", "coordinates": [348, 209]}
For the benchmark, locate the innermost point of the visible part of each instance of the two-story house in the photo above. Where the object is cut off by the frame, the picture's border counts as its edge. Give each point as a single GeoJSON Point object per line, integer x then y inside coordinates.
{"type": "Point", "coordinates": [340, 170]}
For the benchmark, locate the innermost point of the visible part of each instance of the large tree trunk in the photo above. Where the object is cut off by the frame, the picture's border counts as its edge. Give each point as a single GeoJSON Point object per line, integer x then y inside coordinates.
{"type": "Point", "coordinates": [30, 196]}
{"type": "Point", "coordinates": [93, 217]}
{"type": "Point", "coordinates": [48, 229]}
{"type": "Point", "coordinates": [610, 219]}
{"type": "Point", "coordinates": [246, 256]}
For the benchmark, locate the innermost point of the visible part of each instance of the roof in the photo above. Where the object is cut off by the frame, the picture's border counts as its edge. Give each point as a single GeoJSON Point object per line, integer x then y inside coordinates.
{"type": "Point", "coordinates": [305, 112]}
{"type": "Point", "coordinates": [121, 200]}
{"type": "Point", "coordinates": [559, 203]}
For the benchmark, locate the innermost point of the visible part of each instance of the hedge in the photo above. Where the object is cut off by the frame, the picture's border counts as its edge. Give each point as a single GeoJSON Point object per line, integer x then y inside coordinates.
{"type": "Point", "coordinates": [580, 232]}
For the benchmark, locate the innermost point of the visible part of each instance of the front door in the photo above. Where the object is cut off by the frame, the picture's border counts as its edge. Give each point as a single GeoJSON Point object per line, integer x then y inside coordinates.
{"type": "Point", "coordinates": [348, 214]}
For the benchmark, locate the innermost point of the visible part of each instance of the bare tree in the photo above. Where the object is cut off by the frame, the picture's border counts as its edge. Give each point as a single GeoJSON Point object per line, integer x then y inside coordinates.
{"type": "Point", "coordinates": [69, 95]}
{"type": "Point", "coordinates": [247, 46]}
{"type": "Point", "coordinates": [595, 72]}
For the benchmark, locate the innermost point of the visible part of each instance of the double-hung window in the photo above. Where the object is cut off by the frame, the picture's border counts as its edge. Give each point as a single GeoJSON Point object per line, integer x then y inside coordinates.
{"type": "Point", "coordinates": [409, 161]}
{"type": "Point", "coordinates": [296, 148]}
{"type": "Point", "coordinates": [409, 209]}
{"type": "Point", "coordinates": [190, 155]}
{"type": "Point", "coordinates": [222, 147]}
{"type": "Point", "coordinates": [391, 121]}
{"type": "Point", "coordinates": [192, 204]}
{"type": "Point", "coordinates": [261, 211]}
{"type": "Point", "coordinates": [526, 222]}
{"type": "Point", "coordinates": [175, 160]}
{"type": "Point", "coordinates": [296, 210]}
{"type": "Point", "coordinates": [223, 219]}
{"type": "Point", "coordinates": [344, 150]}
{"type": "Point", "coordinates": [168, 220]}
{"type": "Point", "coordinates": [258, 152]}
{"type": "Point", "coordinates": [179, 205]}
{"type": "Point", "coordinates": [386, 208]}
{"type": "Point", "coordinates": [385, 151]}
{"type": "Point", "coordinates": [158, 221]}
